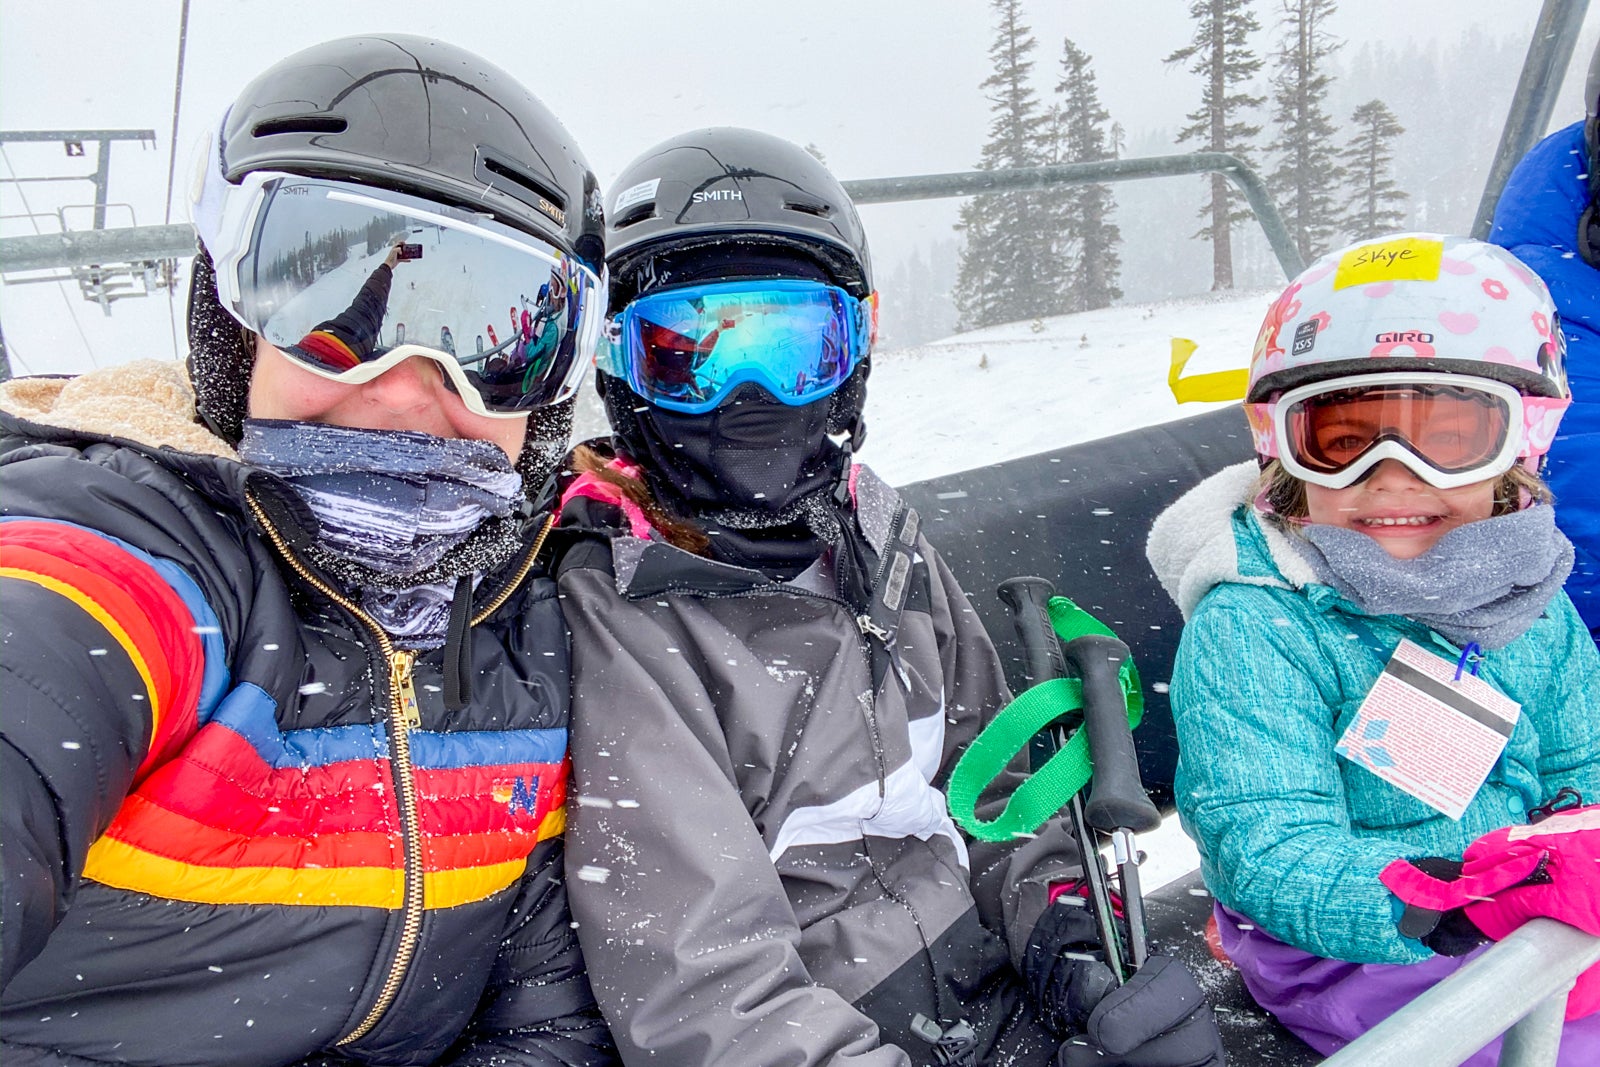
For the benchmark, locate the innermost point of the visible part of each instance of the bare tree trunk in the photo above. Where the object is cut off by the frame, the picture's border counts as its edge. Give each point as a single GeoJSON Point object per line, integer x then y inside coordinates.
{"type": "Point", "coordinates": [1221, 231]}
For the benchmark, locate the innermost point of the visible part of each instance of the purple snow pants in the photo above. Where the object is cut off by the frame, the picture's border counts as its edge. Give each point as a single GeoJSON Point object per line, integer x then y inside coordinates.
{"type": "Point", "coordinates": [1329, 1003]}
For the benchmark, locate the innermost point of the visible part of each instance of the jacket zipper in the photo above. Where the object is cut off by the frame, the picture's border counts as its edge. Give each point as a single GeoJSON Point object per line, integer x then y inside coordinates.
{"type": "Point", "coordinates": [403, 716]}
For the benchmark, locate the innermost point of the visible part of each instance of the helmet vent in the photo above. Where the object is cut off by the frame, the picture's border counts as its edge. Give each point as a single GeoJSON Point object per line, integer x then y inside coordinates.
{"type": "Point", "coordinates": [523, 181]}
{"type": "Point", "coordinates": [637, 215]}
{"type": "Point", "coordinates": [301, 124]}
{"type": "Point", "coordinates": [810, 207]}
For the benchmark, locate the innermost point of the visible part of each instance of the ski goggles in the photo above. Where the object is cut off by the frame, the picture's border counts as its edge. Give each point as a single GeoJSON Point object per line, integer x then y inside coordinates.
{"type": "Point", "coordinates": [1447, 429]}
{"type": "Point", "coordinates": [686, 349]}
{"type": "Point", "coordinates": [299, 261]}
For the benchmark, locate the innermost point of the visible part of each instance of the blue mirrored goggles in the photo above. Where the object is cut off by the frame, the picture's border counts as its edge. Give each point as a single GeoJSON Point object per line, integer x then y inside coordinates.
{"type": "Point", "coordinates": [687, 349]}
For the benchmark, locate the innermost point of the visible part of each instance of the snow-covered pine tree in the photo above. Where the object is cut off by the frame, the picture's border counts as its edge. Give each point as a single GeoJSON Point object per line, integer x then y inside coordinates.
{"type": "Point", "coordinates": [1093, 265]}
{"type": "Point", "coordinates": [1374, 200]}
{"type": "Point", "coordinates": [1220, 53]}
{"type": "Point", "coordinates": [1009, 269]}
{"type": "Point", "coordinates": [1305, 177]}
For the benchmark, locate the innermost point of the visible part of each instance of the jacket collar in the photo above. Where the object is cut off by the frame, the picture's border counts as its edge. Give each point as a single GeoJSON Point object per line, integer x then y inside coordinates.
{"type": "Point", "coordinates": [1212, 535]}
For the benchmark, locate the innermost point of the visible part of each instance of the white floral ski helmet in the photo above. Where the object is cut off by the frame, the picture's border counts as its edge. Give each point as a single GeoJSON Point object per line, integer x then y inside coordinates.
{"type": "Point", "coordinates": [1414, 302]}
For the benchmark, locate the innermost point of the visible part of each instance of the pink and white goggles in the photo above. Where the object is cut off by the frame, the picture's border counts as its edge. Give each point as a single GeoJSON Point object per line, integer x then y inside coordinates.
{"type": "Point", "coordinates": [1448, 429]}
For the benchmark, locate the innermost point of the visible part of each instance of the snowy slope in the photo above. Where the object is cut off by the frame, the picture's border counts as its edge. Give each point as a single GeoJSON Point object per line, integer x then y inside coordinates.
{"type": "Point", "coordinates": [1022, 388]}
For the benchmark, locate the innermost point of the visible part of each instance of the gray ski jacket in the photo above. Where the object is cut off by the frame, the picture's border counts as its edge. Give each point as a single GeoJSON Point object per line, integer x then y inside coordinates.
{"type": "Point", "coordinates": [760, 859]}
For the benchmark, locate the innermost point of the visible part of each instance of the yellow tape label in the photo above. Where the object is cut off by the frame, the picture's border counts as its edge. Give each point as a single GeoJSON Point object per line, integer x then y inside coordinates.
{"type": "Point", "coordinates": [1409, 259]}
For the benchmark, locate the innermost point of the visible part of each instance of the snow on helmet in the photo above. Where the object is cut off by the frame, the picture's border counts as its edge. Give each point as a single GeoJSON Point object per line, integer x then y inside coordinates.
{"type": "Point", "coordinates": [408, 114]}
{"type": "Point", "coordinates": [1414, 302]}
{"type": "Point", "coordinates": [732, 187]}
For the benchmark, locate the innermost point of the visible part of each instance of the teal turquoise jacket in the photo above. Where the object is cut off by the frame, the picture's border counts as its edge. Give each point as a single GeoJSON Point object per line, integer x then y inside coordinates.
{"type": "Point", "coordinates": [1271, 669]}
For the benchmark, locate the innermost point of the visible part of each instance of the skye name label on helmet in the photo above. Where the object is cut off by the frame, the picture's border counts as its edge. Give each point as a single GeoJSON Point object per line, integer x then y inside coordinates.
{"type": "Point", "coordinates": [1406, 259]}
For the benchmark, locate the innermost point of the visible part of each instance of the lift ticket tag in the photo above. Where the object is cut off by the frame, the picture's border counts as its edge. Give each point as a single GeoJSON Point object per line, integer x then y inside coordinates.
{"type": "Point", "coordinates": [1424, 731]}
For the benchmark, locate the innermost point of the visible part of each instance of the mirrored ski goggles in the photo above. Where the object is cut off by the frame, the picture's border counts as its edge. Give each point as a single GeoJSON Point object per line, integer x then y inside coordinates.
{"type": "Point", "coordinates": [687, 349]}
{"type": "Point", "coordinates": [1449, 430]}
{"type": "Point", "coordinates": [349, 280]}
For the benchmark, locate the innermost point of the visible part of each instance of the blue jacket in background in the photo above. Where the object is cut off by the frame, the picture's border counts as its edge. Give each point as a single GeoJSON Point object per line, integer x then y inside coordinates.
{"type": "Point", "coordinates": [1537, 220]}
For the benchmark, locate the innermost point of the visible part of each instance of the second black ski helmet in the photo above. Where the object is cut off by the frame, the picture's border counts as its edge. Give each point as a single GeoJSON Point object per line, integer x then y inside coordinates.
{"type": "Point", "coordinates": [726, 202]}
{"type": "Point", "coordinates": [732, 188]}
{"type": "Point", "coordinates": [409, 114]}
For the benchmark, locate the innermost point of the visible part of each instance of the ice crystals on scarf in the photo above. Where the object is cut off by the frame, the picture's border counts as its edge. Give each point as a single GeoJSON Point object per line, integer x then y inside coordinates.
{"type": "Point", "coordinates": [395, 511]}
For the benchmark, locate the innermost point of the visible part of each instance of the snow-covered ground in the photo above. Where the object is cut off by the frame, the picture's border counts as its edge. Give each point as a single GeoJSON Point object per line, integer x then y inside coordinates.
{"type": "Point", "coordinates": [1021, 388]}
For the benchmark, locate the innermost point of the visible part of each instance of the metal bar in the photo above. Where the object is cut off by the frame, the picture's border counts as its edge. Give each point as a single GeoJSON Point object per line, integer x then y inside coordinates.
{"type": "Point", "coordinates": [1535, 1041]}
{"type": "Point", "coordinates": [58, 178]}
{"type": "Point", "coordinates": [1555, 36]}
{"type": "Point", "coordinates": [102, 181]}
{"type": "Point", "coordinates": [154, 242]}
{"type": "Point", "coordinates": [62, 136]}
{"type": "Point", "coordinates": [83, 247]}
{"type": "Point", "coordinates": [1514, 978]}
{"type": "Point", "coordinates": [978, 182]}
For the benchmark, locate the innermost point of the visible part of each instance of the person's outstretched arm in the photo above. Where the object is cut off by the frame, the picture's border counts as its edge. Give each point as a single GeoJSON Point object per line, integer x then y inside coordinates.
{"type": "Point", "coordinates": [102, 654]}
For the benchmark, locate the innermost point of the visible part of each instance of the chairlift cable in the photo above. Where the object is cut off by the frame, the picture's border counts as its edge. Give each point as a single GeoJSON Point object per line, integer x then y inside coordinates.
{"type": "Point", "coordinates": [72, 312]}
{"type": "Point", "coordinates": [172, 161]}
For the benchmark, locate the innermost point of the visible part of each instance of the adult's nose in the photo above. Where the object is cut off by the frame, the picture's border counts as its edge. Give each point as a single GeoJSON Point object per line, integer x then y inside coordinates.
{"type": "Point", "coordinates": [407, 389]}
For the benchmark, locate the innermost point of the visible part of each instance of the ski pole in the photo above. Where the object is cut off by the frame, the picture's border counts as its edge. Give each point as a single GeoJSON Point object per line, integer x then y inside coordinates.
{"type": "Point", "coordinates": [1027, 598]}
{"type": "Point", "coordinates": [1118, 804]}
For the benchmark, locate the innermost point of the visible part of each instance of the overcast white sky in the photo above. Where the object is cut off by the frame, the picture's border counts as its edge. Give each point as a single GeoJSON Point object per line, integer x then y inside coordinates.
{"type": "Point", "coordinates": [883, 88]}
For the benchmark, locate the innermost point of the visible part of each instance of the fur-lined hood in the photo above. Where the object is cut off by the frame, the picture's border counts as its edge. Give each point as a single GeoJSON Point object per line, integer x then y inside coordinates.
{"type": "Point", "coordinates": [1194, 545]}
{"type": "Point", "coordinates": [147, 401]}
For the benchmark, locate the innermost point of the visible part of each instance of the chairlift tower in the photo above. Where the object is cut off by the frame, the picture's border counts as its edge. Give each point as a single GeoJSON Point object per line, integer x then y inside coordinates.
{"type": "Point", "coordinates": [104, 282]}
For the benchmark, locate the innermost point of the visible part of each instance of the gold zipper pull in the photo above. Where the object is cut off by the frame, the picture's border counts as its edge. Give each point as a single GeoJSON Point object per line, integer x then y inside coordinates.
{"type": "Point", "coordinates": [401, 691]}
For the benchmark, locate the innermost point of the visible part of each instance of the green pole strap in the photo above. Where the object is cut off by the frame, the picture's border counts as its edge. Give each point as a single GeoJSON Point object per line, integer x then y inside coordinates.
{"type": "Point", "coordinates": [1048, 789]}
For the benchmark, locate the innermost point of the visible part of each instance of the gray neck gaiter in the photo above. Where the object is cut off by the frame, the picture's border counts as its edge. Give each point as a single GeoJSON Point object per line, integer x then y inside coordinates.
{"type": "Point", "coordinates": [1485, 582]}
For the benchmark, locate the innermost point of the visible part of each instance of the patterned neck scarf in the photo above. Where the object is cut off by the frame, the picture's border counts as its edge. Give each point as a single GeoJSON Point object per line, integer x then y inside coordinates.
{"type": "Point", "coordinates": [400, 515]}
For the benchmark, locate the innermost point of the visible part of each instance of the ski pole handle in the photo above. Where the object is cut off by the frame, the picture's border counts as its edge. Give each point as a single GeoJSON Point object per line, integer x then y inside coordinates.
{"type": "Point", "coordinates": [1117, 800]}
{"type": "Point", "coordinates": [1029, 599]}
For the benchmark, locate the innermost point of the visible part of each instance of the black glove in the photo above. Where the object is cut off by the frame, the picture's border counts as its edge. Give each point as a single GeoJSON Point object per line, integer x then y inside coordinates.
{"type": "Point", "coordinates": [1064, 966]}
{"type": "Point", "coordinates": [1449, 933]}
{"type": "Point", "coordinates": [1159, 1018]}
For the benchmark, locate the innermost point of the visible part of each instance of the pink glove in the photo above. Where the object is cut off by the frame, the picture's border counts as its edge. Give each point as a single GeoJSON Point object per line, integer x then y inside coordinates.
{"type": "Point", "coordinates": [1508, 876]}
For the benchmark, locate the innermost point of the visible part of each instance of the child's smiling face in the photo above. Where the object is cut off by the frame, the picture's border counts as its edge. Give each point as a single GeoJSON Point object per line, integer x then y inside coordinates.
{"type": "Point", "coordinates": [1400, 511]}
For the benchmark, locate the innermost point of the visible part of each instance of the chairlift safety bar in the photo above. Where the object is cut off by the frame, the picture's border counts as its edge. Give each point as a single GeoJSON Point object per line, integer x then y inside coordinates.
{"type": "Point", "coordinates": [1517, 988]}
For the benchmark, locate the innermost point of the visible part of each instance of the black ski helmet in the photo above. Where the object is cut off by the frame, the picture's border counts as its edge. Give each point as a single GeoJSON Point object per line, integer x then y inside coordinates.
{"type": "Point", "coordinates": [405, 113]}
{"type": "Point", "coordinates": [731, 187]}
{"type": "Point", "coordinates": [726, 202]}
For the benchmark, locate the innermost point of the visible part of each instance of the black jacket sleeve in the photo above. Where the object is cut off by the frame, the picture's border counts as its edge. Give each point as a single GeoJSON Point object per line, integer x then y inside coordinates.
{"type": "Point", "coordinates": [72, 733]}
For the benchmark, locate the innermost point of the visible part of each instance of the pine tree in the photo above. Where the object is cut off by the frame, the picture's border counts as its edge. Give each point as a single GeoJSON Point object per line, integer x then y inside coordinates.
{"type": "Point", "coordinates": [1374, 198]}
{"type": "Point", "coordinates": [1009, 269]}
{"type": "Point", "coordinates": [1091, 238]}
{"type": "Point", "coordinates": [1305, 179]}
{"type": "Point", "coordinates": [1220, 53]}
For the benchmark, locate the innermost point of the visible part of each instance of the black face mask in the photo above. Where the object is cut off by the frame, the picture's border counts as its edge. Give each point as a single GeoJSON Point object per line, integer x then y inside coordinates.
{"type": "Point", "coordinates": [756, 473]}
